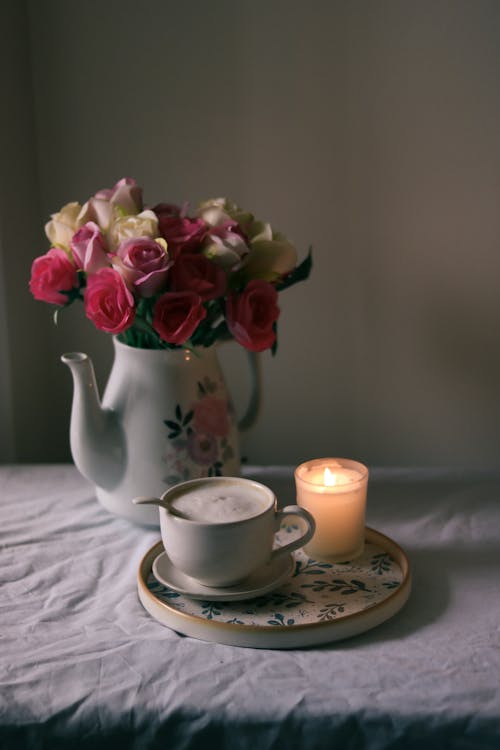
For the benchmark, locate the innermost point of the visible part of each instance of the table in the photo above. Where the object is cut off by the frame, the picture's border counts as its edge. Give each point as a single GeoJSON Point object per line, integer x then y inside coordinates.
{"type": "Point", "coordinates": [83, 664]}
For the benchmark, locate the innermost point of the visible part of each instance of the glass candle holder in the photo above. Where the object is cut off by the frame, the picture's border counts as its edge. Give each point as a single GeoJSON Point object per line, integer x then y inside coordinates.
{"type": "Point", "coordinates": [334, 491]}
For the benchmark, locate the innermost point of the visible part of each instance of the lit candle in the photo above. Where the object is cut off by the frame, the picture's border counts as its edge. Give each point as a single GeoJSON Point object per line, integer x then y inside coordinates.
{"type": "Point", "coordinates": [334, 491]}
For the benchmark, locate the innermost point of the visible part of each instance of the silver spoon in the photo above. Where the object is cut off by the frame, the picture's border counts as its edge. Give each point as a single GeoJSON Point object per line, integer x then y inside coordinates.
{"type": "Point", "coordinates": [157, 501]}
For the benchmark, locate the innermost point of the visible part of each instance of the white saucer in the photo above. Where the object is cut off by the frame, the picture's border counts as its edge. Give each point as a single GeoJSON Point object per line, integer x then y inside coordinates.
{"type": "Point", "coordinates": [260, 582]}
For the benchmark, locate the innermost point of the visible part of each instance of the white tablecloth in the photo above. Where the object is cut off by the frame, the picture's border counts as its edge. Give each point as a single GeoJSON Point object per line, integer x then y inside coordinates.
{"type": "Point", "coordinates": [83, 664]}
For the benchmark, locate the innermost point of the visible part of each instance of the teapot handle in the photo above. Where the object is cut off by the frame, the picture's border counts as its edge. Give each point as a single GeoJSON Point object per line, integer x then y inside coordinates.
{"type": "Point", "coordinates": [252, 412]}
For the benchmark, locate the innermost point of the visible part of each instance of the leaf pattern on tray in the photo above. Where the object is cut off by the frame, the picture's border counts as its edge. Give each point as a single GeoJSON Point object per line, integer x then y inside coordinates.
{"type": "Point", "coordinates": [317, 592]}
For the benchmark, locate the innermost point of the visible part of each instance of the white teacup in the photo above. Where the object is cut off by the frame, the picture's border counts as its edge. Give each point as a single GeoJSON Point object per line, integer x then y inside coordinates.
{"type": "Point", "coordinates": [219, 530]}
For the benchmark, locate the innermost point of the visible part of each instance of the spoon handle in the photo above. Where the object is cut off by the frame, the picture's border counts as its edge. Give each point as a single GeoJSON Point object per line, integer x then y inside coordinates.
{"type": "Point", "coordinates": [148, 501]}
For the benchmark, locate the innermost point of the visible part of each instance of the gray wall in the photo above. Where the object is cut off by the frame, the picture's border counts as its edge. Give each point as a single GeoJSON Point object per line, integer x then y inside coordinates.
{"type": "Point", "coordinates": [367, 129]}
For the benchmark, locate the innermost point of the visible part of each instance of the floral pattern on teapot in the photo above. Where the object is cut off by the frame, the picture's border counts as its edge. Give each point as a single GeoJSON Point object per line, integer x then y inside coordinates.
{"type": "Point", "coordinates": [199, 436]}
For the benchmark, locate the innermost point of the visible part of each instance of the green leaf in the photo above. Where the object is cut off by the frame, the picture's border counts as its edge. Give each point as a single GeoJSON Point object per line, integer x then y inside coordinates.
{"type": "Point", "coordinates": [188, 417]}
{"type": "Point", "coordinates": [274, 347]}
{"type": "Point", "coordinates": [359, 584]}
{"type": "Point", "coordinates": [220, 332]}
{"type": "Point", "coordinates": [71, 295]}
{"type": "Point", "coordinates": [172, 425]}
{"type": "Point", "coordinates": [178, 412]}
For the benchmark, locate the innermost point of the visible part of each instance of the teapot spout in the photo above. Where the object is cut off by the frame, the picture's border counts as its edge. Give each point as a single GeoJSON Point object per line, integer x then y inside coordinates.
{"type": "Point", "coordinates": [96, 437]}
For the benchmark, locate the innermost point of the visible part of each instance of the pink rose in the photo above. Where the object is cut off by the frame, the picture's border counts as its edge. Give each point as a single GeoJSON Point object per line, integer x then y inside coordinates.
{"type": "Point", "coordinates": [144, 264]}
{"type": "Point", "coordinates": [108, 302]}
{"type": "Point", "coordinates": [193, 272]}
{"type": "Point", "coordinates": [88, 247]}
{"type": "Point", "coordinates": [126, 193]}
{"type": "Point", "coordinates": [176, 316]}
{"type": "Point", "coordinates": [181, 232]}
{"type": "Point", "coordinates": [53, 274]}
{"type": "Point", "coordinates": [251, 314]}
{"type": "Point", "coordinates": [211, 416]}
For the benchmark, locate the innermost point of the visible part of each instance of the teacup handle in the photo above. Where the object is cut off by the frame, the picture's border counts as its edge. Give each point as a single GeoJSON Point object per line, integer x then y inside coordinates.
{"type": "Point", "coordinates": [294, 510]}
{"type": "Point", "coordinates": [252, 412]}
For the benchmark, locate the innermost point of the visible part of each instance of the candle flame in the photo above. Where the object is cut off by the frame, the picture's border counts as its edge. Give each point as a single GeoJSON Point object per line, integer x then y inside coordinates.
{"type": "Point", "coordinates": [329, 479]}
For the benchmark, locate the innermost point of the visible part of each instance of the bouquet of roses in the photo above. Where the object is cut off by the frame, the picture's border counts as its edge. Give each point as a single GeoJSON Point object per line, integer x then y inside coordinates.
{"type": "Point", "coordinates": [159, 278]}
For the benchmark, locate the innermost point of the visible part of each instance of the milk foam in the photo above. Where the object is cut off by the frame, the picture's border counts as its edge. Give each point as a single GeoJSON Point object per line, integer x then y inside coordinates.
{"type": "Point", "coordinates": [220, 504]}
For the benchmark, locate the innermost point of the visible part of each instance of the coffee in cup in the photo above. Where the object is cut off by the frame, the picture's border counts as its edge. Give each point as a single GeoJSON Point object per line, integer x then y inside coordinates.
{"type": "Point", "coordinates": [218, 502]}
{"type": "Point", "coordinates": [219, 530]}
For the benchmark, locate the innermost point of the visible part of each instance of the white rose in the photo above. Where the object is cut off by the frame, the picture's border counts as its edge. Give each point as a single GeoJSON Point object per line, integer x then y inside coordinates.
{"type": "Point", "coordinates": [267, 256]}
{"type": "Point", "coordinates": [62, 226]}
{"type": "Point", "coordinates": [228, 251]}
{"type": "Point", "coordinates": [217, 211]}
{"type": "Point", "coordinates": [123, 228]}
{"type": "Point", "coordinates": [270, 256]}
{"type": "Point", "coordinates": [260, 230]}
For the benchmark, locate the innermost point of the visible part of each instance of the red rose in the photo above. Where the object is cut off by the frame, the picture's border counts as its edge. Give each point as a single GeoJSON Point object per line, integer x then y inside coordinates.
{"type": "Point", "coordinates": [251, 314]}
{"type": "Point", "coordinates": [176, 316]}
{"type": "Point", "coordinates": [51, 275]}
{"type": "Point", "coordinates": [195, 273]}
{"type": "Point", "coordinates": [108, 302]}
{"type": "Point", "coordinates": [181, 232]}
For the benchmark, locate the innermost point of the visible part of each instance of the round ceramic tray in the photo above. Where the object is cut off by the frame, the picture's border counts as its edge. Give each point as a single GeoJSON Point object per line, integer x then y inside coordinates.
{"type": "Point", "coordinates": [320, 603]}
